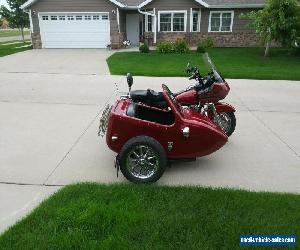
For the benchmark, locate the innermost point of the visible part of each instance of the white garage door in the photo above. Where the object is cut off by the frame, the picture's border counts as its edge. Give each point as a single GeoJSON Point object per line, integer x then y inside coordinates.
{"type": "Point", "coordinates": [74, 30]}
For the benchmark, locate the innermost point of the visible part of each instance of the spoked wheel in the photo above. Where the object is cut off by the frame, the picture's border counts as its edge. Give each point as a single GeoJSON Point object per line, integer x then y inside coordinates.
{"type": "Point", "coordinates": [228, 122]}
{"type": "Point", "coordinates": [142, 160]}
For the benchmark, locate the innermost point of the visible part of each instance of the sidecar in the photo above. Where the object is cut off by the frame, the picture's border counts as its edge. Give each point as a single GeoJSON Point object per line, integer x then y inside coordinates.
{"type": "Point", "coordinates": [147, 138]}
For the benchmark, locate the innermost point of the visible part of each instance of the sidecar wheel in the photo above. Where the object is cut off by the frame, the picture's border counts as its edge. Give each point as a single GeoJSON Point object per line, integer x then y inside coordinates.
{"type": "Point", "coordinates": [142, 160]}
{"type": "Point", "coordinates": [229, 122]}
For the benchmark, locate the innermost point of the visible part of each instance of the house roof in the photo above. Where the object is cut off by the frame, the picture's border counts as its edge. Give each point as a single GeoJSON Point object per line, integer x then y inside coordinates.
{"type": "Point", "coordinates": [205, 3]}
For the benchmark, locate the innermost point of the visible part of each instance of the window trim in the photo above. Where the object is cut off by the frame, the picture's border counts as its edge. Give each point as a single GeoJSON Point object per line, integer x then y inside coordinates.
{"type": "Point", "coordinates": [146, 20]}
{"type": "Point", "coordinates": [221, 12]}
{"type": "Point", "coordinates": [199, 20]}
{"type": "Point", "coordinates": [172, 12]}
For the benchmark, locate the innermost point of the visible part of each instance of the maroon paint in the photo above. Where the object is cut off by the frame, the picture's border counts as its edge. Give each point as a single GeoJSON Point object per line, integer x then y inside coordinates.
{"type": "Point", "coordinates": [205, 137]}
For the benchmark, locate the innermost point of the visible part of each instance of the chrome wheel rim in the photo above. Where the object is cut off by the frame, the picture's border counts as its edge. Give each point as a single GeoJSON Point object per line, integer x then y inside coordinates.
{"type": "Point", "coordinates": [142, 162]}
{"type": "Point", "coordinates": [225, 122]}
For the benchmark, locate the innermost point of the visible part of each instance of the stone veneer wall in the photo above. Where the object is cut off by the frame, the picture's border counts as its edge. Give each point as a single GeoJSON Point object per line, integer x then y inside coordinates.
{"type": "Point", "coordinates": [221, 39]}
{"type": "Point", "coordinates": [36, 40]}
{"type": "Point", "coordinates": [117, 39]}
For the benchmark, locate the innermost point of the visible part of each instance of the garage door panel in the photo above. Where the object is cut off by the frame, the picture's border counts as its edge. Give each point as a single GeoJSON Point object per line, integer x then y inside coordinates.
{"type": "Point", "coordinates": [63, 30]}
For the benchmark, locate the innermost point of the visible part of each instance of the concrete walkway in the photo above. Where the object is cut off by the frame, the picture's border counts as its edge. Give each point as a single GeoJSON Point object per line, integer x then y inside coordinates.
{"type": "Point", "coordinates": [13, 38]}
{"type": "Point", "coordinates": [49, 121]}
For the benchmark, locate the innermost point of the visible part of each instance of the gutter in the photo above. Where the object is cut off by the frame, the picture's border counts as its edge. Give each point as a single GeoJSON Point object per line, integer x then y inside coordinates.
{"type": "Point", "coordinates": [236, 6]}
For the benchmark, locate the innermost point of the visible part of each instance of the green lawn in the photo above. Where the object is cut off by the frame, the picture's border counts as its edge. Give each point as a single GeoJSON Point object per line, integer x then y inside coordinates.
{"type": "Point", "coordinates": [91, 216]}
{"type": "Point", "coordinates": [8, 33]}
{"type": "Point", "coordinates": [13, 48]}
{"type": "Point", "coordinates": [244, 63]}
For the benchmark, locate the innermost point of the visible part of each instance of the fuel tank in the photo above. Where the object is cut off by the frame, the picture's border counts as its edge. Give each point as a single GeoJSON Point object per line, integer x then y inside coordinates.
{"type": "Point", "coordinates": [189, 97]}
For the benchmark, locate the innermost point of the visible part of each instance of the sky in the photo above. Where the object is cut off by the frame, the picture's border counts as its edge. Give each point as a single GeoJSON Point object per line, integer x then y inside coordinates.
{"type": "Point", "coordinates": [3, 2]}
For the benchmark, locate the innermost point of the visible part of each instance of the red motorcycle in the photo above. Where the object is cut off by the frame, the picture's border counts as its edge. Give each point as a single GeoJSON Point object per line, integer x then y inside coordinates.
{"type": "Point", "coordinates": [204, 97]}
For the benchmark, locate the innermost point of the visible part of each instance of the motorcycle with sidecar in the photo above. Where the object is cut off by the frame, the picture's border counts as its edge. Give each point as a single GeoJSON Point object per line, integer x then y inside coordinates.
{"type": "Point", "coordinates": [147, 138]}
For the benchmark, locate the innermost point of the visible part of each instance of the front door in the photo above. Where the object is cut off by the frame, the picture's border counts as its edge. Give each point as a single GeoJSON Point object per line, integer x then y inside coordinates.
{"type": "Point", "coordinates": [132, 28]}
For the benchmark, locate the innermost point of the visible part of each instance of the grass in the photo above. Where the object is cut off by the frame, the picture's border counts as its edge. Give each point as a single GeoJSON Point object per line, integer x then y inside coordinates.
{"type": "Point", "coordinates": [7, 48]}
{"type": "Point", "coordinates": [91, 216]}
{"type": "Point", "coordinates": [240, 63]}
{"type": "Point", "coordinates": [8, 33]}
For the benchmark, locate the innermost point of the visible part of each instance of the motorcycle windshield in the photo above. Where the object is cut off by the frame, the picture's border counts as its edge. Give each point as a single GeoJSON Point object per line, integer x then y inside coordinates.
{"type": "Point", "coordinates": [212, 67]}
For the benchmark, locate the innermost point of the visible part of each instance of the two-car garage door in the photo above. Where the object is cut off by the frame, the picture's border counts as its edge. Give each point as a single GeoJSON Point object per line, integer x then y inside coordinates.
{"type": "Point", "coordinates": [74, 30]}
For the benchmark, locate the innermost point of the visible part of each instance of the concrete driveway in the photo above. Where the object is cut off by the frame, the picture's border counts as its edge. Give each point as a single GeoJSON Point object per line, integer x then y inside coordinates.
{"type": "Point", "coordinates": [49, 120]}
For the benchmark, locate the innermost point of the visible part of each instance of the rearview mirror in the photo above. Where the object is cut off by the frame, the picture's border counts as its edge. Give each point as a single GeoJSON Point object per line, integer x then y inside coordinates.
{"type": "Point", "coordinates": [129, 80]}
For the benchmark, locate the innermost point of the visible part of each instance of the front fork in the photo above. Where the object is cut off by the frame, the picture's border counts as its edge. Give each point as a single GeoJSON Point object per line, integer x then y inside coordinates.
{"type": "Point", "coordinates": [210, 111]}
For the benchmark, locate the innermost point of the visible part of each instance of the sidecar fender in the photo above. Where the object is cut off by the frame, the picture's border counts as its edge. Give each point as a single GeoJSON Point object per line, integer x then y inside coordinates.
{"type": "Point", "coordinates": [224, 107]}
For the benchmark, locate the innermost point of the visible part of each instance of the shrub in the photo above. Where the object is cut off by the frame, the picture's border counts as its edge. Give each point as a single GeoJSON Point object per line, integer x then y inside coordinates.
{"type": "Point", "coordinates": [144, 48]}
{"type": "Point", "coordinates": [200, 49]}
{"type": "Point", "coordinates": [165, 47]}
{"type": "Point", "coordinates": [181, 46]}
{"type": "Point", "coordinates": [208, 43]}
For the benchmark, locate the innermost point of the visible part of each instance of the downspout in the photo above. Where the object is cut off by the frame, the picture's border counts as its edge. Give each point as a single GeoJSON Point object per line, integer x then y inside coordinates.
{"type": "Point", "coordinates": [150, 14]}
{"type": "Point", "coordinates": [118, 19]}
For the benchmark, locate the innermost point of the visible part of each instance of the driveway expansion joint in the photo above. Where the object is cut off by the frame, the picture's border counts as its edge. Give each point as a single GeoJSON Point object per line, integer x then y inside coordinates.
{"type": "Point", "coordinates": [78, 139]}
{"type": "Point", "coordinates": [30, 184]}
{"type": "Point", "coordinates": [252, 112]}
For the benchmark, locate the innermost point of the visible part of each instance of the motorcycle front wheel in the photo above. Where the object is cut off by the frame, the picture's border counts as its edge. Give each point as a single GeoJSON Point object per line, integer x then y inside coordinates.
{"type": "Point", "coordinates": [228, 122]}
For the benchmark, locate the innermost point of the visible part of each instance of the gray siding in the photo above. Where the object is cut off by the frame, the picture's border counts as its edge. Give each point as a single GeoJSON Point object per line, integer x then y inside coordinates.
{"type": "Point", "coordinates": [174, 5]}
{"type": "Point", "coordinates": [74, 6]}
{"type": "Point", "coordinates": [239, 25]}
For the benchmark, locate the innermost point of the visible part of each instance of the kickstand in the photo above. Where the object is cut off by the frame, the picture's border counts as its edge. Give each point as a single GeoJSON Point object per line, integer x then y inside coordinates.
{"type": "Point", "coordinates": [117, 165]}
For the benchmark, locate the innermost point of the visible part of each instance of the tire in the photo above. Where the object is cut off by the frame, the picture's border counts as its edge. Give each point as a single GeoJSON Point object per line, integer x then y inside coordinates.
{"type": "Point", "coordinates": [145, 155]}
{"type": "Point", "coordinates": [232, 120]}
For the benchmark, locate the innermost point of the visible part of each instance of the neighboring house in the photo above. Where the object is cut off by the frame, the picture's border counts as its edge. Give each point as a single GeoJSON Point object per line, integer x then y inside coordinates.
{"type": "Point", "coordinates": [99, 23]}
{"type": "Point", "coordinates": [4, 24]}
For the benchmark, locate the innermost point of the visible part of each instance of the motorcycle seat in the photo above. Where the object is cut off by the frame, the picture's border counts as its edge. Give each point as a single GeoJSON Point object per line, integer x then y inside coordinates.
{"type": "Point", "coordinates": [149, 97]}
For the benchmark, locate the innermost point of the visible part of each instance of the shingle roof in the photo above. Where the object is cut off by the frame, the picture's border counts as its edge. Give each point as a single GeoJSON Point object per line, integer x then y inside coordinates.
{"type": "Point", "coordinates": [205, 3]}
{"type": "Point", "coordinates": [233, 2]}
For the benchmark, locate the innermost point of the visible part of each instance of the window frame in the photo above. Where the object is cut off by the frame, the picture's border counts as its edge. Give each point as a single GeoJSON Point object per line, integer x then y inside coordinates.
{"type": "Point", "coordinates": [192, 20]}
{"type": "Point", "coordinates": [221, 14]}
{"type": "Point", "coordinates": [147, 21]}
{"type": "Point", "coordinates": [172, 12]}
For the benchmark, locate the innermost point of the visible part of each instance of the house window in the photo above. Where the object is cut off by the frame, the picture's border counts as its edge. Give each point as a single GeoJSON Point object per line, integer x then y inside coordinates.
{"type": "Point", "coordinates": [53, 17]}
{"type": "Point", "coordinates": [172, 21]}
{"type": "Point", "coordinates": [62, 18]}
{"type": "Point", "coordinates": [165, 22]}
{"type": "Point", "coordinates": [96, 17]}
{"type": "Point", "coordinates": [70, 17]}
{"type": "Point", "coordinates": [105, 17]}
{"type": "Point", "coordinates": [178, 22]}
{"type": "Point", "coordinates": [87, 17]}
{"type": "Point", "coordinates": [148, 20]}
{"type": "Point", "coordinates": [45, 18]}
{"type": "Point", "coordinates": [196, 15]}
{"type": "Point", "coordinates": [79, 18]}
{"type": "Point", "coordinates": [149, 23]}
{"type": "Point", "coordinates": [221, 21]}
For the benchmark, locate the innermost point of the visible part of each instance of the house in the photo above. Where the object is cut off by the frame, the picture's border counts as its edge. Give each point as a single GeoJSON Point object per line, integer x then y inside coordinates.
{"type": "Point", "coordinates": [99, 23]}
{"type": "Point", "coordinates": [4, 24]}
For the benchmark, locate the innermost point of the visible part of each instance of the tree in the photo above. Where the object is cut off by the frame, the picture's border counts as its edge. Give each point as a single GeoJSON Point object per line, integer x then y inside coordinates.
{"type": "Point", "coordinates": [279, 22]}
{"type": "Point", "coordinates": [15, 15]}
